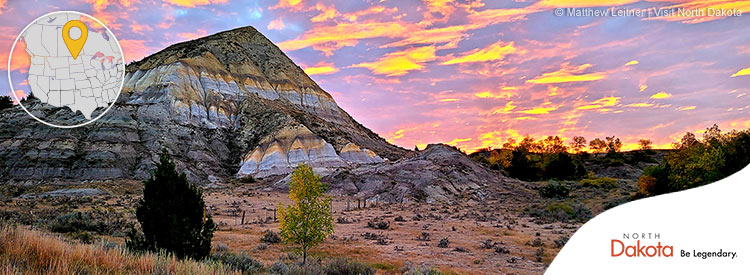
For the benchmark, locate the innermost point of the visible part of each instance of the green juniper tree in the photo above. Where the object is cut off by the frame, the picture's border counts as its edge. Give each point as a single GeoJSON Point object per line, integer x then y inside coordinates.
{"type": "Point", "coordinates": [172, 215]}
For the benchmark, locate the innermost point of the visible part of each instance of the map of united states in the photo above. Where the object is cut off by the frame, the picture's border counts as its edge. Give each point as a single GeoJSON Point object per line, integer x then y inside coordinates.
{"type": "Point", "coordinates": [90, 81]}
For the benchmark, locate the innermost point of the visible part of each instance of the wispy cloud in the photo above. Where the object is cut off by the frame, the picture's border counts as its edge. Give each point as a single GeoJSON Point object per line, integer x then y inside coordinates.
{"type": "Point", "coordinates": [321, 68]}
{"type": "Point", "coordinates": [400, 63]}
{"type": "Point", "coordinates": [568, 74]}
{"type": "Point", "coordinates": [496, 51]}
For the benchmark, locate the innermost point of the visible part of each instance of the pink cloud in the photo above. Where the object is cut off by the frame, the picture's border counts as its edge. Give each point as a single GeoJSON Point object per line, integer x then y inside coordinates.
{"type": "Point", "coordinates": [192, 35]}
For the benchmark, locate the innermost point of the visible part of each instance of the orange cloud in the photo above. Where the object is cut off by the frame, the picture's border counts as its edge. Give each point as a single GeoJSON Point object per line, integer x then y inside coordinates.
{"type": "Point", "coordinates": [330, 38]}
{"type": "Point", "coordinates": [277, 24]}
{"type": "Point", "coordinates": [633, 62]}
{"type": "Point", "coordinates": [504, 93]}
{"type": "Point", "coordinates": [401, 62]}
{"type": "Point", "coordinates": [371, 10]}
{"type": "Point", "coordinates": [583, 3]}
{"type": "Point", "coordinates": [108, 18]}
{"type": "Point", "coordinates": [661, 95]}
{"type": "Point", "coordinates": [745, 71]}
{"type": "Point", "coordinates": [139, 29]}
{"type": "Point", "coordinates": [190, 36]}
{"type": "Point", "coordinates": [326, 13]}
{"type": "Point", "coordinates": [440, 6]}
{"type": "Point", "coordinates": [450, 36]}
{"type": "Point", "coordinates": [457, 141]}
{"type": "Point", "coordinates": [2, 5]}
{"type": "Point", "coordinates": [321, 68]}
{"type": "Point", "coordinates": [98, 5]}
{"type": "Point", "coordinates": [21, 60]}
{"type": "Point", "coordinates": [290, 4]}
{"type": "Point", "coordinates": [496, 51]}
{"type": "Point", "coordinates": [493, 16]}
{"type": "Point", "coordinates": [398, 134]}
{"type": "Point", "coordinates": [643, 87]}
{"type": "Point", "coordinates": [167, 23]}
{"type": "Point", "coordinates": [193, 3]}
{"type": "Point", "coordinates": [135, 49]}
{"type": "Point", "coordinates": [568, 74]}
{"type": "Point", "coordinates": [505, 110]}
{"type": "Point", "coordinates": [601, 103]}
{"type": "Point", "coordinates": [443, 7]}
{"type": "Point", "coordinates": [538, 111]}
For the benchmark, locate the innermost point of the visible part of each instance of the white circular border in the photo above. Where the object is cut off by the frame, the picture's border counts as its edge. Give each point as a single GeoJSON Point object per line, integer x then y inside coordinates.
{"type": "Point", "coordinates": [13, 90]}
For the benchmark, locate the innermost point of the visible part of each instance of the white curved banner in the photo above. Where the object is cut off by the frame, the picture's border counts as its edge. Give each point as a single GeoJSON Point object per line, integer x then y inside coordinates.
{"type": "Point", "coordinates": [702, 230]}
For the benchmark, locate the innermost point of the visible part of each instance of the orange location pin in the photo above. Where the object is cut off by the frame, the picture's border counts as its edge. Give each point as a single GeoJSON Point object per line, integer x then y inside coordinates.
{"type": "Point", "coordinates": [75, 45]}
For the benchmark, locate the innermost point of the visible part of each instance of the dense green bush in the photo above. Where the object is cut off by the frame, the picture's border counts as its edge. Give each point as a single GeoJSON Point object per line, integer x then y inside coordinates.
{"type": "Point", "coordinates": [554, 190]}
{"type": "Point", "coordinates": [695, 163]}
{"type": "Point", "coordinates": [523, 167]}
{"type": "Point", "coordinates": [562, 166]}
{"type": "Point", "coordinates": [604, 182]}
{"type": "Point", "coordinates": [643, 156]}
{"type": "Point", "coordinates": [172, 215]}
{"type": "Point", "coordinates": [529, 166]}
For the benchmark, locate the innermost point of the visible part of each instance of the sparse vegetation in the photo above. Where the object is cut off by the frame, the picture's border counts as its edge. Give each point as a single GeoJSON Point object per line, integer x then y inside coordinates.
{"type": "Point", "coordinates": [338, 266]}
{"type": "Point", "coordinates": [378, 223]}
{"type": "Point", "coordinates": [443, 243]}
{"type": "Point", "coordinates": [237, 261]}
{"type": "Point", "coordinates": [270, 237]}
{"type": "Point", "coordinates": [561, 211]}
{"type": "Point", "coordinates": [73, 222]}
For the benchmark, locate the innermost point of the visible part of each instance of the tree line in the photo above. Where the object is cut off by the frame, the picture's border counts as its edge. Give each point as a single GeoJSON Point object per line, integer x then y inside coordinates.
{"type": "Point", "coordinates": [551, 158]}
{"type": "Point", "coordinates": [697, 162]}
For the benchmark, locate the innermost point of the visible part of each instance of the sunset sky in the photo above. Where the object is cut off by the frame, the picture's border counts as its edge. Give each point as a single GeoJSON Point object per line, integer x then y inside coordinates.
{"type": "Point", "coordinates": [473, 73]}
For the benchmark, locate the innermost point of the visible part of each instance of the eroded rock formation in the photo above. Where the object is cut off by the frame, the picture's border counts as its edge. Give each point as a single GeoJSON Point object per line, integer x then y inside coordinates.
{"type": "Point", "coordinates": [224, 105]}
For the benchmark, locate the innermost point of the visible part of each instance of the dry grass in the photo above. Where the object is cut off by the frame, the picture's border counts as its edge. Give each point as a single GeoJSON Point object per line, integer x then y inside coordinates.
{"type": "Point", "coordinates": [24, 251]}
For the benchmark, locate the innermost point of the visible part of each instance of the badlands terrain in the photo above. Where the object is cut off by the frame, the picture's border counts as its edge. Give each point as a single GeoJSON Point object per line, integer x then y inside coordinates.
{"type": "Point", "coordinates": [237, 115]}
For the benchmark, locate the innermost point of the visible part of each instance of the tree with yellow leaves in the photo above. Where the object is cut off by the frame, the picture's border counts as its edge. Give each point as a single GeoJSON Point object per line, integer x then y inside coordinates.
{"type": "Point", "coordinates": [308, 221]}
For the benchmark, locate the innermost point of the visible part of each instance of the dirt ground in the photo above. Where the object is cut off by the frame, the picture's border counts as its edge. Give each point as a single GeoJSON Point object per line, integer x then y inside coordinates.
{"type": "Point", "coordinates": [483, 237]}
{"type": "Point", "coordinates": [466, 226]}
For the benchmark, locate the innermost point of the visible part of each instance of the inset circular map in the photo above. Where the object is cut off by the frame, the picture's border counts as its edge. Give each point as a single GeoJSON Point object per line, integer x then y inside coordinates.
{"type": "Point", "coordinates": [71, 66]}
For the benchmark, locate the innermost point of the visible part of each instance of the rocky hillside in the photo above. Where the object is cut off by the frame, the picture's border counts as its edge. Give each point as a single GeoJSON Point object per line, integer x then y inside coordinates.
{"type": "Point", "coordinates": [228, 105]}
{"type": "Point", "coordinates": [440, 173]}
